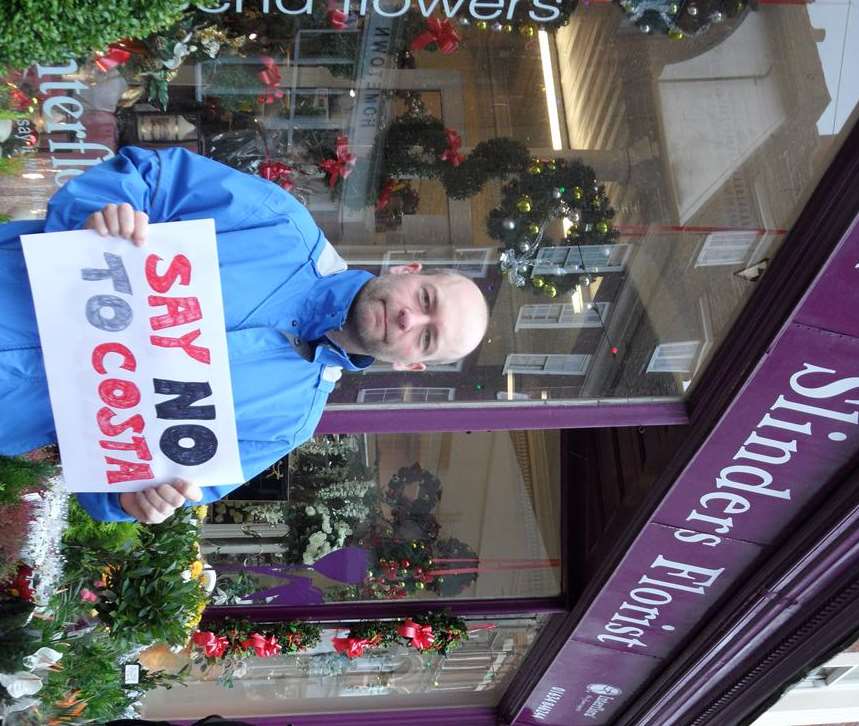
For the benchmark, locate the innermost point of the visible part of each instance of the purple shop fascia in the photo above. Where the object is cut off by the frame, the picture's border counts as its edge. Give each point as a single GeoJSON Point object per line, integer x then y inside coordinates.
{"type": "Point", "coordinates": [793, 425]}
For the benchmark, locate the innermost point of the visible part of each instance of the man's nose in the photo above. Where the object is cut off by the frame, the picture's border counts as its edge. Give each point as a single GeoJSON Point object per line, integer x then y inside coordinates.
{"type": "Point", "coordinates": [408, 319]}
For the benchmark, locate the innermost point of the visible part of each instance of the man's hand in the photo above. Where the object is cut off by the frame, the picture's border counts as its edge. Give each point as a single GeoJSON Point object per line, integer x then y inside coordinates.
{"type": "Point", "coordinates": [120, 221]}
{"type": "Point", "coordinates": [154, 505]}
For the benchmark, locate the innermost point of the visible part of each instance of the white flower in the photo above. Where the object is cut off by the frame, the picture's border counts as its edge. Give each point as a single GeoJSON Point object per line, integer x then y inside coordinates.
{"type": "Point", "coordinates": [42, 659]}
{"type": "Point", "coordinates": [22, 683]}
{"type": "Point", "coordinates": [310, 511]}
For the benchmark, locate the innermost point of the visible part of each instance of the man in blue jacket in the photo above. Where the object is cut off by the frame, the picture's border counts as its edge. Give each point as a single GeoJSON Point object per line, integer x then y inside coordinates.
{"type": "Point", "coordinates": [295, 316]}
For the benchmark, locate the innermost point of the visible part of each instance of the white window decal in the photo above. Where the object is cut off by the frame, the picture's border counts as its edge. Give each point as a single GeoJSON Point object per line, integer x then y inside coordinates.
{"type": "Point", "coordinates": [674, 357]}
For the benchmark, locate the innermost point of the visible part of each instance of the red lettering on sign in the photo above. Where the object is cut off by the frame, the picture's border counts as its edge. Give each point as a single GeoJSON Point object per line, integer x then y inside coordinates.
{"type": "Point", "coordinates": [118, 393]}
{"type": "Point", "coordinates": [180, 268]}
{"type": "Point", "coordinates": [100, 351]}
{"type": "Point", "coordinates": [127, 471]}
{"type": "Point", "coordinates": [196, 352]}
{"type": "Point", "coordinates": [137, 445]}
{"type": "Point", "coordinates": [104, 416]}
{"type": "Point", "coordinates": [180, 310]}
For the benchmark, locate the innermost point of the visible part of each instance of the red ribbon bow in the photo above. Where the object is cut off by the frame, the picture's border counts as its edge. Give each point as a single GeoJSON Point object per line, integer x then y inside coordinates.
{"type": "Point", "coordinates": [388, 188]}
{"type": "Point", "coordinates": [270, 76]}
{"type": "Point", "coordinates": [354, 647]}
{"type": "Point", "coordinates": [214, 646]}
{"type": "Point", "coordinates": [262, 646]}
{"type": "Point", "coordinates": [420, 636]}
{"type": "Point", "coordinates": [341, 166]}
{"type": "Point", "coordinates": [451, 153]}
{"type": "Point", "coordinates": [21, 100]}
{"type": "Point", "coordinates": [279, 173]}
{"type": "Point", "coordinates": [116, 56]}
{"type": "Point", "coordinates": [442, 33]}
{"type": "Point", "coordinates": [337, 19]}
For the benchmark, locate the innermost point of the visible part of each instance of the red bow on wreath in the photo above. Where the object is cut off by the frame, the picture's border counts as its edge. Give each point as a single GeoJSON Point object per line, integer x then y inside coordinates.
{"type": "Point", "coordinates": [20, 99]}
{"type": "Point", "coordinates": [388, 188]}
{"type": "Point", "coordinates": [341, 166]}
{"type": "Point", "coordinates": [420, 636]}
{"type": "Point", "coordinates": [451, 153]}
{"type": "Point", "coordinates": [116, 56]}
{"type": "Point", "coordinates": [270, 76]}
{"type": "Point", "coordinates": [354, 647]}
{"type": "Point", "coordinates": [440, 32]}
{"type": "Point", "coordinates": [337, 19]}
{"type": "Point", "coordinates": [279, 173]}
{"type": "Point", "coordinates": [213, 646]}
{"type": "Point", "coordinates": [262, 646]}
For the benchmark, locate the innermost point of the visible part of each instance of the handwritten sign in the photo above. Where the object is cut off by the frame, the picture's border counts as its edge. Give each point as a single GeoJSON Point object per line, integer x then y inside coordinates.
{"type": "Point", "coordinates": [135, 352]}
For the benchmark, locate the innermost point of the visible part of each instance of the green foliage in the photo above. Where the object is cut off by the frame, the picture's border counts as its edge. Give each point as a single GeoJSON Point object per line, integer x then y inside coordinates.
{"type": "Point", "coordinates": [413, 144]}
{"type": "Point", "coordinates": [548, 190]}
{"type": "Point", "coordinates": [50, 31]}
{"type": "Point", "coordinates": [146, 598]}
{"type": "Point", "coordinates": [17, 475]}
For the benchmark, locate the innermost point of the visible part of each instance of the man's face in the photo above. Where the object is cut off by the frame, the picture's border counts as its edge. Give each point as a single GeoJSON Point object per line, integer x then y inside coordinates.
{"type": "Point", "coordinates": [408, 318]}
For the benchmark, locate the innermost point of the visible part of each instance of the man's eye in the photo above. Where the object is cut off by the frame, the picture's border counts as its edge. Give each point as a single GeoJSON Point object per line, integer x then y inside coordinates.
{"type": "Point", "coordinates": [426, 340]}
{"type": "Point", "coordinates": [425, 299]}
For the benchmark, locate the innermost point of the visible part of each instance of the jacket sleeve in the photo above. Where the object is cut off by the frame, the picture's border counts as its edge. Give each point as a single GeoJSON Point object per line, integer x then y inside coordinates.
{"type": "Point", "coordinates": [170, 185]}
{"type": "Point", "coordinates": [256, 456]}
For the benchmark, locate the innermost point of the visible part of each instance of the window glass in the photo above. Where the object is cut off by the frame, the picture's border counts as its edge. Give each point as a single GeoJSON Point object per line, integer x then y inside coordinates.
{"type": "Point", "coordinates": [474, 674]}
{"type": "Point", "coordinates": [383, 517]}
{"type": "Point", "coordinates": [616, 194]}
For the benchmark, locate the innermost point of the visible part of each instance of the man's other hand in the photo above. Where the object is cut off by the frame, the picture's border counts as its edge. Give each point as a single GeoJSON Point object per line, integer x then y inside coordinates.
{"type": "Point", "coordinates": [154, 505]}
{"type": "Point", "coordinates": [120, 221]}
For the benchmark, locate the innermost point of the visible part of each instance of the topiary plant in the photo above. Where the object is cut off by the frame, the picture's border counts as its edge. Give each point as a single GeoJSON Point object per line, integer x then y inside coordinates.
{"type": "Point", "coordinates": [51, 31]}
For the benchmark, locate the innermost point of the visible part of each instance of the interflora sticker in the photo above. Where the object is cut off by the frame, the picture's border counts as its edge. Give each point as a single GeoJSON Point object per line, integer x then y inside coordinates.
{"type": "Point", "coordinates": [135, 352]}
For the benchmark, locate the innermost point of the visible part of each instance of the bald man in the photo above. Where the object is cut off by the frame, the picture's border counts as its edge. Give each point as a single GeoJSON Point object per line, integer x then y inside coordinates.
{"type": "Point", "coordinates": [295, 315]}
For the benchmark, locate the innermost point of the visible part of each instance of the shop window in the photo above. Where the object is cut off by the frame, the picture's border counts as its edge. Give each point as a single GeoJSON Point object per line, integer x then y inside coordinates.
{"type": "Point", "coordinates": [575, 364]}
{"type": "Point", "coordinates": [674, 357]}
{"type": "Point", "coordinates": [436, 516]}
{"type": "Point", "coordinates": [405, 394]}
{"type": "Point", "coordinates": [562, 315]}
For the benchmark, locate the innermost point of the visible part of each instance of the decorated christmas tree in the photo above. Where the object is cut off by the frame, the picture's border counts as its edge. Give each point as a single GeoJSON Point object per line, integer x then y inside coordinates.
{"type": "Point", "coordinates": [680, 18]}
{"type": "Point", "coordinates": [548, 192]}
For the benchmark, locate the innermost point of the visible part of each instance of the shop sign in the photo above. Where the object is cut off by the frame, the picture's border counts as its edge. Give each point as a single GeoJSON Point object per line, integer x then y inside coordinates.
{"type": "Point", "coordinates": [794, 424]}
{"type": "Point", "coordinates": [539, 11]}
{"type": "Point", "coordinates": [136, 356]}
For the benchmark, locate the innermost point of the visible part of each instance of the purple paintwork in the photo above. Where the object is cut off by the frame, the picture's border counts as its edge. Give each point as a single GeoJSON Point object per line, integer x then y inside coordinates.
{"type": "Point", "coordinates": [413, 717]}
{"type": "Point", "coordinates": [341, 420]}
{"type": "Point", "coordinates": [716, 516]}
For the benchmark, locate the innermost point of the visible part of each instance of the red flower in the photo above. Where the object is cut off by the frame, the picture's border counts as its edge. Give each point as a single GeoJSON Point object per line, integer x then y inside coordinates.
{"type": "Point", "coordinates": [213, 646]}
{"type": "Point", "coordinates": [337, 19]}
{"type": "Point", "coordinates": [116, 56]}
{"type": "Point", "coordinates": [440, 32]}
{"type": "Point", "coordinates": [88, 595]}
{"type": "Point", "coordinates": [262, 646]}
{"type": "Point", "coordinates": [20, 585]}
{"type": "Point", "coordinates": [420, 636]}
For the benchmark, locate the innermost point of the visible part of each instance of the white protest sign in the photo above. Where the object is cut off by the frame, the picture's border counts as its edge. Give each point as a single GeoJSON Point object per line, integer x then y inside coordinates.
{"type": "Point", "coordinates": [135, 352]}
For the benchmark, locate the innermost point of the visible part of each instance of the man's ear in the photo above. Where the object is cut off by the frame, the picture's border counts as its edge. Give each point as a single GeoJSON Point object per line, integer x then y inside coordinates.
{"type": "Point", "coordinates": [407, 269]}
{"type": "Point", "coordinates": [411, 367]}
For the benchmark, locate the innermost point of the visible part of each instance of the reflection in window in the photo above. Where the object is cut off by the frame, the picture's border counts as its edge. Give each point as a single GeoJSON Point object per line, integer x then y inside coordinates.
{"type": "Point", "coordinates": [475, 674]}
{"type": "Point", "coordinates": [558, 365]}
{"type": "Point", "coordinates": [673, 357]}
{"type": "Point", "coordinates": [562, 315]}
{"type": "Point", "coordinates": [405, 394]}
{"type": "Point", "coordinates": [423, 516]}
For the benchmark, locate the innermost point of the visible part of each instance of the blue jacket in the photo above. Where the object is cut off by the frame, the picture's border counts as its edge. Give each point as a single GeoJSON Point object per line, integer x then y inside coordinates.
{"type": "Point", "coordinates": [284, 288]}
